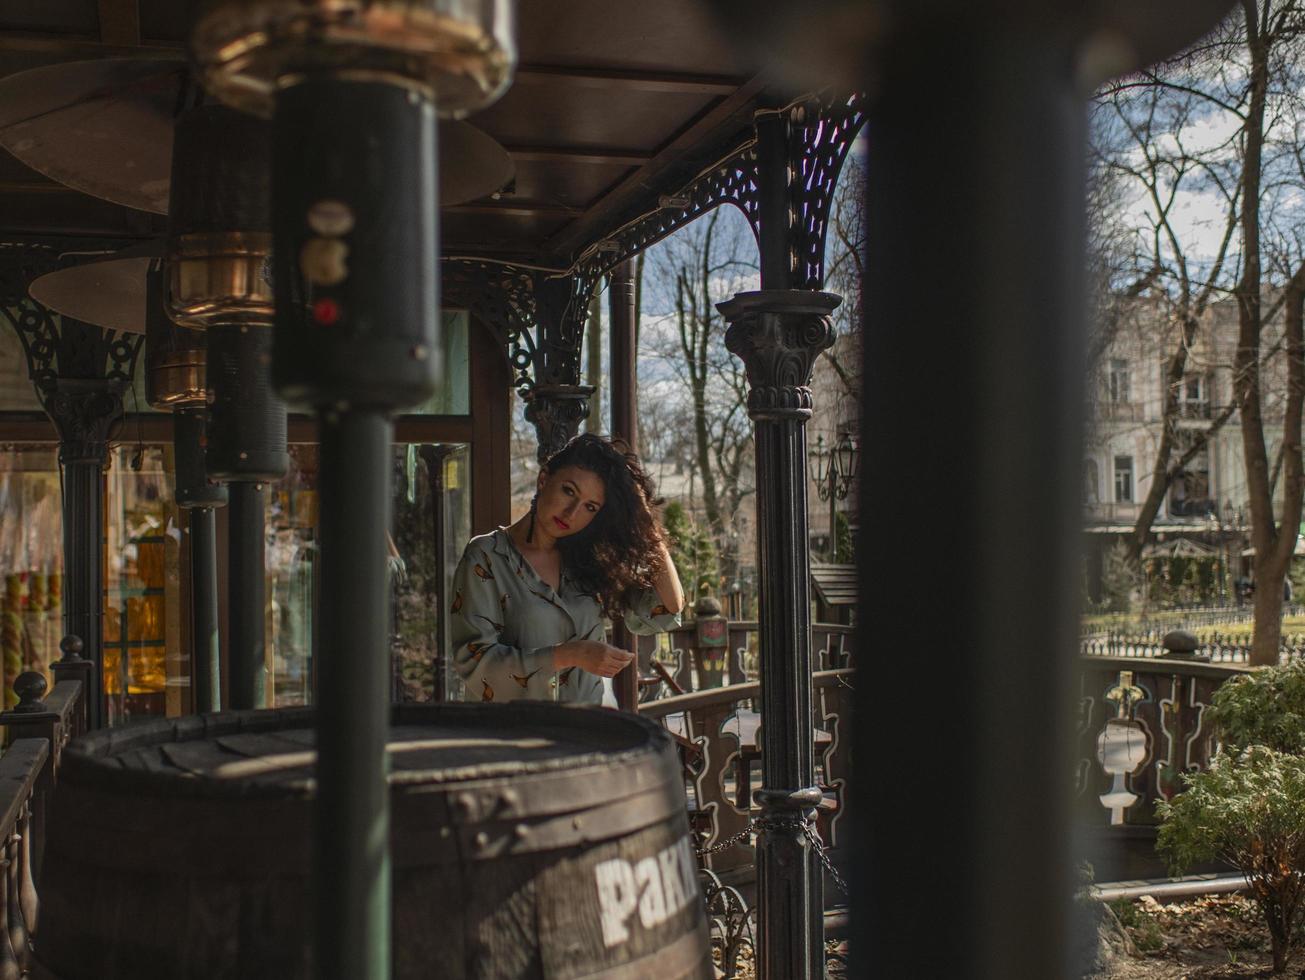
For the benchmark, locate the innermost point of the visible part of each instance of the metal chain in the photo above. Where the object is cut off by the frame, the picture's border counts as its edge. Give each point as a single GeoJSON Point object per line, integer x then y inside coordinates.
{"type": "Point", "coordinates": [808, 828]}
{"type": "Point", "coordinates": [839, 882]}
{"type": "Point", "coordinates": [727, 842]}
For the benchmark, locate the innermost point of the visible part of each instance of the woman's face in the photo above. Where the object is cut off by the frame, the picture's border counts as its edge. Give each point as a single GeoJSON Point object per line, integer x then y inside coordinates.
{"type": "Point", "coordinates": [568, 500]}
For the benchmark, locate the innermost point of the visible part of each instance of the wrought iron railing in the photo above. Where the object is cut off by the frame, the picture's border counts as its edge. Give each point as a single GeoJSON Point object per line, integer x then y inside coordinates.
{"type": "Point", "coordinates": [694, 663]}
{"type": "Point", "coordinates": [1216, 648]}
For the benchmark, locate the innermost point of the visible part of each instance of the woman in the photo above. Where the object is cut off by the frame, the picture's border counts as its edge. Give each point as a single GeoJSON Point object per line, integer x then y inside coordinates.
{"type": "Point", "coordinates": [529, 600]}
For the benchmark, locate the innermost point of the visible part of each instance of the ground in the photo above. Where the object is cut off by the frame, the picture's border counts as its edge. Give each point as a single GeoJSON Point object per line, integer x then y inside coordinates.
{"type": "Point", "coordinates": [1216, 937]}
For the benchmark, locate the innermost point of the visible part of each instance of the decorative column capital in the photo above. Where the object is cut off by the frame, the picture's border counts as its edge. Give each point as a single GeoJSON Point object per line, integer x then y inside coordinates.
{"type": "Point", "coordinates": [556, 412]}
{"type": "Point", "coordinates": [85, 413]}
{"type": "Point", "coordinates": [778, 334]}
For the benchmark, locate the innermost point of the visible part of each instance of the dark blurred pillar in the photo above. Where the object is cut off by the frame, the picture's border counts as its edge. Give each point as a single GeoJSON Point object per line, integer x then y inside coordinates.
{"type": "Point", "coordinates": [623, 378]}
{"type": "Point", "coordinates": [970, 443]}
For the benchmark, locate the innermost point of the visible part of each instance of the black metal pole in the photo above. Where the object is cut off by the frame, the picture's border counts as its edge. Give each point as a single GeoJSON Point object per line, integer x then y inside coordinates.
{"type": "Point", "coordinates": [353, 683]}
{"type": "Point", "coordinates": [357, 306]}
{"type": "Point", "coordinates": [625, 414]}
{"type": "Point", "coordinates": [973, 366]}
{"type": "Point", "coordinates": [204, 614]}
{"type": "Point", "coordinates": [83, 576]}
{"type": "Point", "coordinates": [198, 495]}
{"type": "Point", "coordinates": [246, 654]}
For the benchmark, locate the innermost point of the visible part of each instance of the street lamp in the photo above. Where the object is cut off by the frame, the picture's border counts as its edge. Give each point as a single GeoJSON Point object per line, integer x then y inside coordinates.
{"type": "Point", "coordinates": [833, 470]}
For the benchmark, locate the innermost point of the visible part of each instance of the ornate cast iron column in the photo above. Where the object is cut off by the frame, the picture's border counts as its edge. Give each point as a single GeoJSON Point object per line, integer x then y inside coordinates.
{"type": "Point", "coordinates": [558, 403]}
{"type": "Point", "coordinates": [85, 413]}
{"type": "Point", "coordinates": [556, 412]}
{"type": "Point", "coordinates": [80, 372]}
{"type": "Point", "coordinates": [778, 332]}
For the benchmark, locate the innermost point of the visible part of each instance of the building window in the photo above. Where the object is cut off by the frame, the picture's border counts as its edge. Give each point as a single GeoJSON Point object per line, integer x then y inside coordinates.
{"type": "Point", "coordinates": [1194, 397]}
{"type": "Point", "coordinates": [1120, 389]}
{"type": "Point", "coordinates": [1123, 479]}
{"type": "Point", "coordinates": [1091, 493]}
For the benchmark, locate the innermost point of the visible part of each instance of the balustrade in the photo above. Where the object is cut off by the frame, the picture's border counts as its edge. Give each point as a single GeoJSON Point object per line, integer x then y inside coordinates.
{"type": "Point", "coordinates": [718, 731]}
{"type": "Point", "coordinates": [695, 665]}
{"type": "Point", "coordinates": [1141, 725]}
{"type": "Point", "coordinates": [36, 732]}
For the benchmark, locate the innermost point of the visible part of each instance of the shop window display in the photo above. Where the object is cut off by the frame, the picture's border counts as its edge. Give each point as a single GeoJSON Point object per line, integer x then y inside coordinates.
{"type": "Point", "coordinates": [31, 562]}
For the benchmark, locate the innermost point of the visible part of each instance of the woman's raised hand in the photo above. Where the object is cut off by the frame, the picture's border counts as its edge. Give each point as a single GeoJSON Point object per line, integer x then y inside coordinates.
{"type": "Point", "coordinates": [591, 655]}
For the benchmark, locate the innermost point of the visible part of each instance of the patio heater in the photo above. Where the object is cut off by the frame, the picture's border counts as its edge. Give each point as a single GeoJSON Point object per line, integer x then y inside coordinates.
{"type": "Point", "coordinates": [218, 263]}
{"type": "Point", "coordinates": [352, 88]}
{"type": "Point", "coordinates": [175, 359]}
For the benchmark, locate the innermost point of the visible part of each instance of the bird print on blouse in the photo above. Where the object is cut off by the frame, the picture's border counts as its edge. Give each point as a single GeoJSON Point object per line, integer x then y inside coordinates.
{"type": "Point", "coordinates": [525, 681]}
{"type": "Point", "coordinates": [504, 626]}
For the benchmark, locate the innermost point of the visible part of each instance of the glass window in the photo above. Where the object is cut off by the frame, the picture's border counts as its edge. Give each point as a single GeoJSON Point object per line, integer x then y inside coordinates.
{"type": "Point", "coordinates": [31, 560]}
{"type": "Point", "coordinates": [431, 526]}
{"type": "Point", "coordinates": [453, 396]}
{"type": "Point", "coordinates": [146, 666]}
{"type": "Point", "coordinates": [1090, 481]}
{"type": "Point", "coordinates": [1124, 479]}
{"type": "Point", "coordinates": [1120, 383]}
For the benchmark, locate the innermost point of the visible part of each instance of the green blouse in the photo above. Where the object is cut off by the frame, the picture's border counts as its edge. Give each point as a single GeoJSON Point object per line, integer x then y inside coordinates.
{"type": "Point", "coordinates": [505, 621]}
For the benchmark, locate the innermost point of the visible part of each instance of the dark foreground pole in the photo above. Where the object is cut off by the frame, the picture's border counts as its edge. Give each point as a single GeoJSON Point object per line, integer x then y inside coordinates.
{"type": "Point", "coordinates": [625, 414]}
{"type": "Point", "coordinates": [356, 329]}
{"type": "Point", "coordinates": [973, 374]}
{"type": "Point", "coordinates": [353, 683]}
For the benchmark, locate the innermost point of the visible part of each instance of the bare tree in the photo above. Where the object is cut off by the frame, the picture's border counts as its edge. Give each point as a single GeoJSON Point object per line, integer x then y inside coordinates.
{"type": "Point", "coordinates": [701, 265]}
{"type": "Point", "coordinates": [1225, 121]}
{"type": "Point", "coordinates": [1141, 137]}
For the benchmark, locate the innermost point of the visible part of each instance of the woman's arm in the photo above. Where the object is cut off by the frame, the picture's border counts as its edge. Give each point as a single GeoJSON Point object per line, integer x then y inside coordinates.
{"type": "Point", "coordinates": [592, 656]}
{"type": "Point", "coordinates": [666, 580]}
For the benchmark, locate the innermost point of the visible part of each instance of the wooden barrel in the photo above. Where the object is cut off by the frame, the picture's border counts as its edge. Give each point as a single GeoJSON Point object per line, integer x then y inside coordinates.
{"type": "Point", "coordinates": [527, 841]}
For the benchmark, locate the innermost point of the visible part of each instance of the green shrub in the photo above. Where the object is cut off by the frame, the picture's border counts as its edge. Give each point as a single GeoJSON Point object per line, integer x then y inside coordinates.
{"type": "Point", "coordinates": [1264, 707]}
{"type": "Point", "coordinates": [1248, 809]}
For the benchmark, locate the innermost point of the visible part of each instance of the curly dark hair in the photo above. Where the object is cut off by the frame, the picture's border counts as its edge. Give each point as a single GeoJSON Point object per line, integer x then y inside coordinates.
{"type": "Point", "coordinates": [617, 553]}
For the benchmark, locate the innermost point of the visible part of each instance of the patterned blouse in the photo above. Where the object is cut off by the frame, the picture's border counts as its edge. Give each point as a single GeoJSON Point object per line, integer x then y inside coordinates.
{"type": "Point", "coordinates": [506, 620]}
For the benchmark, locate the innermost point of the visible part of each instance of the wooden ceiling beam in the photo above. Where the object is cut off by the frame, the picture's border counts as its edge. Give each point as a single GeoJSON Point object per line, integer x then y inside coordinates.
{"type": "Point", "coordinates": [679, 83]}
{"type": "Point", "coordinates": [82, 47]}
{"type": "Point", "coordinates": [120, 38]}
{"type": "Point", "coordinates": [119, 22]}
{"type": "Point", "coordinates": [613, 206]}
{"type": "Point", "coordinates": [515, 208]}
{"type": "Point", "coordinates": [597, 156]}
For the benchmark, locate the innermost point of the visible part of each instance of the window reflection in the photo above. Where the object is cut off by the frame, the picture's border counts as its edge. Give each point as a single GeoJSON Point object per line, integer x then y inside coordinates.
{"type": "Point", "coordinates": [31, 562]}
